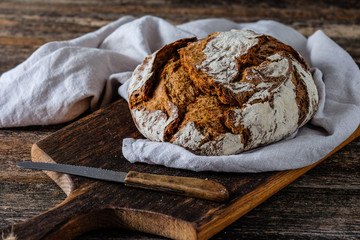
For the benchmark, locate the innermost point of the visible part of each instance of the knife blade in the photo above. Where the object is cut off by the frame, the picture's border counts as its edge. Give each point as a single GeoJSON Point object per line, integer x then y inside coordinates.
{"type": "Point", "coordinates": [187, 186]}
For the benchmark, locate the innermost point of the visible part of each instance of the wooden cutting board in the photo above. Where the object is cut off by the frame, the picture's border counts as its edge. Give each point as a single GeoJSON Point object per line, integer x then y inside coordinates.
{"type": "Point", "coordinates": [96, 141]}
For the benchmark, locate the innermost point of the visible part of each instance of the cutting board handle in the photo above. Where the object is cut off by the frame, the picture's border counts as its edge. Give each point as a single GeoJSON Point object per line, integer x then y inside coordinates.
{"type": "Point", "coordinates": [65, 221]}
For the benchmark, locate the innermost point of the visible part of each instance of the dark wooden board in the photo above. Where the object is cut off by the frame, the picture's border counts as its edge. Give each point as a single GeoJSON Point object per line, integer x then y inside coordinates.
{"type": "Point", "coordinates": [96, 141]}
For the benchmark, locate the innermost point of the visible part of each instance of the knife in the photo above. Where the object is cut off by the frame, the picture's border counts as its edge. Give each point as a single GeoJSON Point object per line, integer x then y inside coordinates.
{"type": "Point", "coordinates": [187, 186]}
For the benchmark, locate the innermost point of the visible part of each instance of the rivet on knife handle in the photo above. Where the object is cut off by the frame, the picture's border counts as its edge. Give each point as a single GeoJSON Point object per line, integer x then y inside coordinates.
{"type": "Point", "coordinates": [192, 187]}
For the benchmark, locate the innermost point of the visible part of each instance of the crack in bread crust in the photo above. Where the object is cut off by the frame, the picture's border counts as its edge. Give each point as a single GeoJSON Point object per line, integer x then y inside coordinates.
{"type": "Point", "coordinates": [224, 94]}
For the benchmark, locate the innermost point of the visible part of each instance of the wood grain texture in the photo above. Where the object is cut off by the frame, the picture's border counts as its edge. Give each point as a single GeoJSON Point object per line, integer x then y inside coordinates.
{"type": "Point", "coordinates": [26, 25]}
{"type": "Point", "coordinates": [322, 204]}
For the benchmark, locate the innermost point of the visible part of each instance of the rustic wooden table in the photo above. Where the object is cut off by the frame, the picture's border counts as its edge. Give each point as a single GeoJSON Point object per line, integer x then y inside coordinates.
{"type": "Point", "coordinates": [322, 204]}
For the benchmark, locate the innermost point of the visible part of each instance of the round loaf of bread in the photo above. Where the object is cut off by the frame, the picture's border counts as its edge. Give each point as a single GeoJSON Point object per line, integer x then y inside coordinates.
{"type": "Point", "coordinates": [223, 94]}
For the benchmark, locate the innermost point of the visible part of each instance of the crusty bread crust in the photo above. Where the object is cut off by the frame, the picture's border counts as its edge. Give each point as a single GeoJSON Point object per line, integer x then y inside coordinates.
{"type": "Point", "coordinates": [223, 94]}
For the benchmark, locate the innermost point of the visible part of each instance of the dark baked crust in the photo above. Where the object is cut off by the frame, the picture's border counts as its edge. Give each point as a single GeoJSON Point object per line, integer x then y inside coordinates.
{"type": "Point", "coordinates": [223, 94]}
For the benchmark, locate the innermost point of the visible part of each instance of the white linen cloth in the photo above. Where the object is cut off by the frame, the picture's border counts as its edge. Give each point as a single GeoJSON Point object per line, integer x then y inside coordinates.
{"type": "Point", "coordinates": [61, 80]}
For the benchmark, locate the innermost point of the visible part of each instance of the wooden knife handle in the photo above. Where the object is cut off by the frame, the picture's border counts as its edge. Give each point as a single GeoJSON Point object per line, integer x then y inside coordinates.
{"type": "Point", "coordinates": [191, 187]}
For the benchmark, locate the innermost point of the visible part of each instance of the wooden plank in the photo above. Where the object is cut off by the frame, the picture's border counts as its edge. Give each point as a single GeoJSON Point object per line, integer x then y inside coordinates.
{"type": "Point", "coordinates": [96, 141]}
{"type": "Point", "coordinates": [31, 23]}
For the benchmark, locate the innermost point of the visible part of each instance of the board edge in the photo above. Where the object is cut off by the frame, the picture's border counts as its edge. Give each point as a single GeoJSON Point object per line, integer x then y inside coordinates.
{"type": "Point", "coordinates": [275, 183]}
{"type": "Point", "coordinates": [64, 181]}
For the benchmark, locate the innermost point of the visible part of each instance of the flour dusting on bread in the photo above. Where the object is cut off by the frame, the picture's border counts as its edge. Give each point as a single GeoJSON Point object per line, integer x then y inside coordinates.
{"type": "Point", "coordinates": [142, 74]}
{"type": "Point", "coordinates": [222, 51]}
